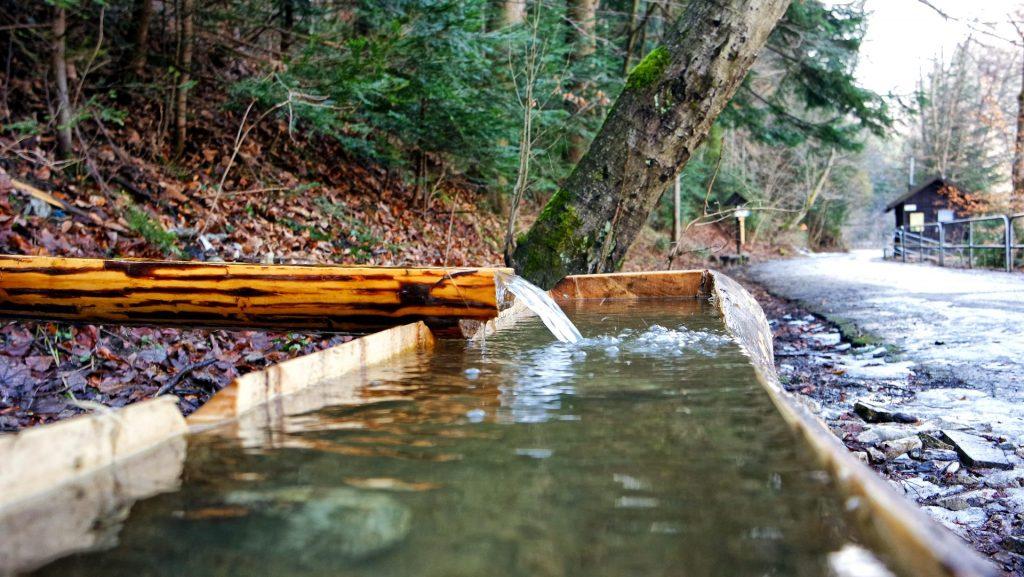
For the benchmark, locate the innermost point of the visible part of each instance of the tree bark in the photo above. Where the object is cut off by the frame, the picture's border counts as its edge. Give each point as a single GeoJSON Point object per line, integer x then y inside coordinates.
{"type": "Point", "coordinates": [631, 36]}
{"type": "Point", "coordinates": [670, 101]}
{"type": "Point", "coordinates": [582, 24]}
{"type": "Point", "coordinates": [60, 76]}
{"type": "Point", "coordinates": [184, 69]}
{"type": "Point", "coordinates": [509, 13]}
{"type": "Point", "coordinates": [287, 24]}
{"type": "Point", "coordinates": [812, 196]}
{"type": "Point", "coordinates": [141, 18]}
{"type": "Point", "coordinates": [1018, 148]}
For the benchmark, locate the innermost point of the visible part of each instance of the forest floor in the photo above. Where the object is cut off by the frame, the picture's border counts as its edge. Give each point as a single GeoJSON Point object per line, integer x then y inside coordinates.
{"type": "Point", "coordinates": [263, 194]}
{"type": "Point", "coordinates": [917, 369]}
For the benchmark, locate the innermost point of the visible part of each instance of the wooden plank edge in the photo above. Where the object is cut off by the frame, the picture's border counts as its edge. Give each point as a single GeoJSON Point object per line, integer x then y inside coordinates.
{"type": "Point", "coordinates": [75, 516]}
{"type": "Point", "coordinates": [634, 285]}
{"type": "Point", "coordinates": [258, 388]}
{"type": "Point", "coordinates": [914, 542]}
{"type": "Point", "coordinates": [42, 458]}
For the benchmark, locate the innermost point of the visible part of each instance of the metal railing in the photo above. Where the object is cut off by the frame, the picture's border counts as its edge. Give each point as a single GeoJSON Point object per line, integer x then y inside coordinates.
{"type": "Point", "coordinates": [919, 246]}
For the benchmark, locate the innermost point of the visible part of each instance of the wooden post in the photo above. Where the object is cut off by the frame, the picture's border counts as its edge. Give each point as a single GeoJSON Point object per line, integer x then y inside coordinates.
{"type": "Point", "coordinates": [331, 298]}
{"type": "Point", "coordinates": [741, 234]}
{"type": "Point", "coordinates": [676, 216]}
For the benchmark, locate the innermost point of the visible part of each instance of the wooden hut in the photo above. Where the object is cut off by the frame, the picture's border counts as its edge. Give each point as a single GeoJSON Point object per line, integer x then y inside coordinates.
{"type": "Point", "coordinates": [930, 202]}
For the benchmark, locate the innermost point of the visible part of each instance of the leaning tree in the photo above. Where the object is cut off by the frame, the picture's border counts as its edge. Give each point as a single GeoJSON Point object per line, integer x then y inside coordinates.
{"type": "Point", "coordinates": [667, 107]}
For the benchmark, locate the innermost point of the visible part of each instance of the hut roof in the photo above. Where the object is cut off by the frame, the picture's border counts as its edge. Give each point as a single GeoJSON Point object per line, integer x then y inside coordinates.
{"type": "Point", "coordinates": [904, 197]}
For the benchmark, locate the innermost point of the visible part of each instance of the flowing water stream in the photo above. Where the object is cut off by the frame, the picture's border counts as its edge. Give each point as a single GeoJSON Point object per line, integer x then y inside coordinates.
{"type": "Point", "coordinates": [648, 449]}
{"type": "Point", "coordinates": [538, 301]}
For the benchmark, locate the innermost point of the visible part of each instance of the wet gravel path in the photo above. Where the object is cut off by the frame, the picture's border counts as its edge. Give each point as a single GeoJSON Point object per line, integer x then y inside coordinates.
{"type": "Point", "coordinates": [920, 371]}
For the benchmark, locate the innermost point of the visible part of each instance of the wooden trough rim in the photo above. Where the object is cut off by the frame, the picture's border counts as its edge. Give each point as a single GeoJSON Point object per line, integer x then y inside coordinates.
{"type": "Point", "coordinates": [912, 541]}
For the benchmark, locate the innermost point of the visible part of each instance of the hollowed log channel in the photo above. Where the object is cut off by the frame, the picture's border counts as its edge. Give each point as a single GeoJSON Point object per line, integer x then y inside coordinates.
{"type": "Point", "coordinates": [310, 297]}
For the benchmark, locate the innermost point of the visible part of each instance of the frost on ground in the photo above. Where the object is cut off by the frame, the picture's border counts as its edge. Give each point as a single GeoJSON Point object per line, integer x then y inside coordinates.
{"type": "Point", "coordinates": [930, 394]}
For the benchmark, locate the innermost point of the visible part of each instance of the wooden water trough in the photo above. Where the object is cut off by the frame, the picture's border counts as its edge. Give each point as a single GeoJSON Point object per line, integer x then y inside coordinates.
{"type": "Point", "coordinates": [909, 540]}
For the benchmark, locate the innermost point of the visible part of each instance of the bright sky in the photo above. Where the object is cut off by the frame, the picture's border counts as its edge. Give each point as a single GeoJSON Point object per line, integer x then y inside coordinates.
{"type": "Point", "coordinates": [904, 36]}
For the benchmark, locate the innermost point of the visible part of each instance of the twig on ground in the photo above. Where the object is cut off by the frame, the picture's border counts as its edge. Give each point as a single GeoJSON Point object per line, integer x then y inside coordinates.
{"type": "Point", "coordinates": [177, 378]}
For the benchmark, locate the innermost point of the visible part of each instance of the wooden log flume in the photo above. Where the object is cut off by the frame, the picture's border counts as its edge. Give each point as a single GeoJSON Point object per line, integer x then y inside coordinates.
{"type": "Point", "coordinates": [329, 298]}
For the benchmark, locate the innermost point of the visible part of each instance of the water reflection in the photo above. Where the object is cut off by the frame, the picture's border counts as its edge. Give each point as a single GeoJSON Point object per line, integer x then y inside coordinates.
{"type": "Point", "coordinates": [541, 377]}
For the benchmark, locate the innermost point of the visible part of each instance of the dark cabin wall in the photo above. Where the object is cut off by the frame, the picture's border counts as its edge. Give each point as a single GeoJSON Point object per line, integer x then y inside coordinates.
{"type": "Point", "coordinates": [928, 201]}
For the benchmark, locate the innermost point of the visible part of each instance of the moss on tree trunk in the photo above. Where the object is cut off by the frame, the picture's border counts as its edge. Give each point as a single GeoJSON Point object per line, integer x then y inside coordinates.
{"type": "Point", "coordinates": [670, 101]}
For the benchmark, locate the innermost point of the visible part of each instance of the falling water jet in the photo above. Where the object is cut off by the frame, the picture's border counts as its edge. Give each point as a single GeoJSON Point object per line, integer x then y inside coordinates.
{"type": "Point", "coordinates": [539, 302]}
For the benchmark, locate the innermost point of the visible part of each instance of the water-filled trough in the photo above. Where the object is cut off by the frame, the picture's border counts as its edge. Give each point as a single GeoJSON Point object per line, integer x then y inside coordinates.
{"type": "Point", "coordinates": [659, 444]}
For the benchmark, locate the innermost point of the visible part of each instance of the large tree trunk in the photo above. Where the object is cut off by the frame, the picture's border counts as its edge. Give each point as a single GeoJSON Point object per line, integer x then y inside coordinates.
{"type": "Point", "coordinates": [1018, 149]}
{"type": "Point", "coordinates": [184, 69]}
{"type": "Point", "coordinates": [60, 77]}
{"type": "Point", "coordinates": [141, 18]}
{"type": "Point", "coordinates": [670, 100]}
{"type": "Point", "coordinates": [582, 24]}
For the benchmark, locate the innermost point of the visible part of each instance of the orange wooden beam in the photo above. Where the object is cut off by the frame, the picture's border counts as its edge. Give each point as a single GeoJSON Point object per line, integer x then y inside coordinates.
{"type": "Point", "coordinates": [331, 298]}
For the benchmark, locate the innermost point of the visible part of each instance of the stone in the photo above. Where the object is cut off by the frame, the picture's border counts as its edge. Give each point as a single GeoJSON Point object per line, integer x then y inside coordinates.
{"type": "Point", "coordinates": [972, 517]}
{"type": "Point", "coordinates": [897, 447]}
{"type": "Point", "coordinates": [1004, 479]}
{"type": "Point", "coordinates": [952, 502]}
{"type": "Point", "coordinates": [876, 455]}
{"type": "Point", "coordinates": [975, 451]}
{"type": "Point", "coordinates": [1014, 544]}
{"type": "Point", "coordinates": [932, 442]}
{"type": "Point", "coordinates": [979, 497]}
{"type": "Point", "coordinates": [881, 433]}
{"type": "Point", "coordinates": [951, 468]}
{"type": "Point", "coordinates": [938, 454]}
{"type": "Point", "coordinates": [861, 456]}
{"type": "Point", "coordinates": [317, 522]}
{"type": "Point", "coordinates": [874, 413]}
{"type": "Point", "coordinates": [1014, 500]}
{"type": "Point", "coordinates": [964, 477]}
{"type": "Point", "coordinates": [920, 489]}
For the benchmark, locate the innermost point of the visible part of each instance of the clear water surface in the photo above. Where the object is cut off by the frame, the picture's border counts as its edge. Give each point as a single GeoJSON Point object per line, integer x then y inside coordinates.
{"type": "Point", "coordinates": [648, 449]}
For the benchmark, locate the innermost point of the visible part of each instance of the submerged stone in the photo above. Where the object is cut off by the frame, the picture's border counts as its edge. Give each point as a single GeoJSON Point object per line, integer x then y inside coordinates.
{"type": "Point", "coordinates": [324, 522]}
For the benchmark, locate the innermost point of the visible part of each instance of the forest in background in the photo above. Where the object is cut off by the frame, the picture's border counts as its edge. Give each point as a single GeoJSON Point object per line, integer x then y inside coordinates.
{"type": "Point", "coordinates": [277, 129]}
